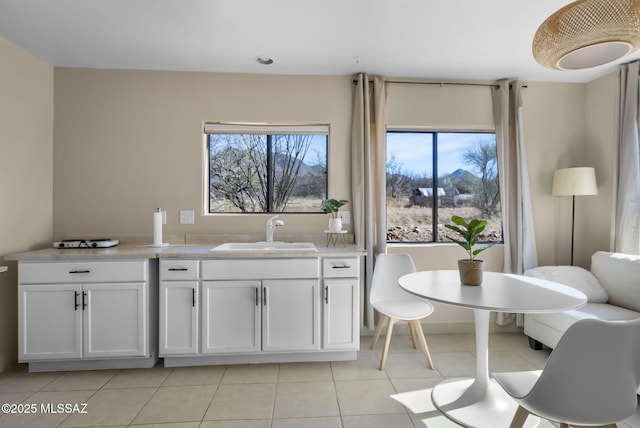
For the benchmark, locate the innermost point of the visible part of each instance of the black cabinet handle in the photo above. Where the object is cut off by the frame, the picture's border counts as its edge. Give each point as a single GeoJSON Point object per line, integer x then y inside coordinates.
{"type": "Point", "coordinates": [80, 271]}
{"type": "Point", "coordinates": [264, 296]}
{"type": "Point", "coordinates": [84, 300]}
{"type": "Point", "coordinates": [257, 296]}
{"type": "Point", "coordinates": [75, 300]}
{"type": "Point", "coordinates": [342, 266]}
{"type": "Point", "coordinates": [193, 297]}
{"type": "Point", "coordinates": [178, 269]}
{"type": "Point", "coordinates": [326, 294]}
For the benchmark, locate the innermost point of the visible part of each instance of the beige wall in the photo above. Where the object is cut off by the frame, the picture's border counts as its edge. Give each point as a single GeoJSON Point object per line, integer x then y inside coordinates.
{"type": "Point", "coordinates": [554, 123]}
{"type": "Point", "coordinates": [130, 141]}
{"type": "Point", "coordinates": [26, 144]}
{"type": "Point", "coordinates": [601, 135]}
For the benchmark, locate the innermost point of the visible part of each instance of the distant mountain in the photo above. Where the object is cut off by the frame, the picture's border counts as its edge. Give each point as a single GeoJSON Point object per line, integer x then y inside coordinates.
{"type": "Point", "coordinates": [462, 174]}
{"type": "Point", "coordinates": [462, 180]}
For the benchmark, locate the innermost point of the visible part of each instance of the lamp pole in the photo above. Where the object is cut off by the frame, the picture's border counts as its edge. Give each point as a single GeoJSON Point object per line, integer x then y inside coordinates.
{"type": "Point", "coordinates": [573, 224]}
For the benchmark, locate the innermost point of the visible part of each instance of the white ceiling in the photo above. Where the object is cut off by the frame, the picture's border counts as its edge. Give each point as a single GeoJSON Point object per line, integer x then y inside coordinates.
{"type": "Point", "coordinates": [452, 39]}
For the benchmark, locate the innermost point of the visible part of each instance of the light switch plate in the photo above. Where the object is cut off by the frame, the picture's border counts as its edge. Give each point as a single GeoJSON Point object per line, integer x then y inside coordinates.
{"type": "Point", "coordinates": [345, 216]}
{"type": "Point", "coordinates": [187, 217]}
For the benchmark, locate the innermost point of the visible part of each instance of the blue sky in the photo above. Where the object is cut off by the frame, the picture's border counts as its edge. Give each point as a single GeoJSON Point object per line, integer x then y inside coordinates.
{"type": "Point", "coordinates": [412, 151]}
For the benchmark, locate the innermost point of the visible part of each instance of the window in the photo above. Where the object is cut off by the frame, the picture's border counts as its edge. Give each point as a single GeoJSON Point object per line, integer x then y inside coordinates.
{"type": "Point", "coordinates": [434, 175]}
{"type": "Point", "coordinates": [256, 169]}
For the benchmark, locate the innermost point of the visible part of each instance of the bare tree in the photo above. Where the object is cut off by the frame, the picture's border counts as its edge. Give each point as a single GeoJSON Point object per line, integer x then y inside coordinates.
{"type": "Point", "coordinates": [399, 182]}
{"type": "Point", "coordinates": [482, 157]}
{"type": "Point", "coordinates": [288, 150]}
{"type": "Point", "coordinates": [239, 171]}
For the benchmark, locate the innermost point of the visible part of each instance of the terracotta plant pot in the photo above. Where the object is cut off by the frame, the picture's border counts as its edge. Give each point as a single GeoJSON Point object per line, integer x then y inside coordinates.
{"type": "Point", "coordinates": [470, 271]}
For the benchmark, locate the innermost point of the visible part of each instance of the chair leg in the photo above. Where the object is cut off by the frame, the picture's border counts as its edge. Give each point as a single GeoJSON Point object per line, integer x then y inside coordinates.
{"type": "Point", "coordinates": [376, 335]}
{"type": "Point", "coordinates": [520, 417]}
{"type": "Point", "coordinates": [417, 328]}
{"type": "Point", "coordinates": [387, 340]}
{"type": "Point", "coordinates": [412, 334]}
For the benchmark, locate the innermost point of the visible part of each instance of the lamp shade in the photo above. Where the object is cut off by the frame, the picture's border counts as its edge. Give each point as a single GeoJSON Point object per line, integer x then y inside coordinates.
{"type": "Point", "coordinates": [574, 182]}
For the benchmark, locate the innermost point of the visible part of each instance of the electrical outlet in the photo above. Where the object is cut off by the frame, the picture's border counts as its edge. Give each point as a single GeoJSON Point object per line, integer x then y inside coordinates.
{"type": "Point", "coordinates": [345, 216]}
{"type": "Point", "coordinates": [187, 217]}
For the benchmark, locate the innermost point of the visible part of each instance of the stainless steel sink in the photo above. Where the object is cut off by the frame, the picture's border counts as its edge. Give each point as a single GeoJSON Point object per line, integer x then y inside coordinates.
{"type": "Point", "coordinates": [264, 246]}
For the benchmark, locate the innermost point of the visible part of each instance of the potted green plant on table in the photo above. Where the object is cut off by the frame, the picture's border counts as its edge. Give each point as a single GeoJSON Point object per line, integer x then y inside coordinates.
{"type": "Point", "coordinates": [471, 268]}
{"type": "Point", "coordinates": [331, 207]}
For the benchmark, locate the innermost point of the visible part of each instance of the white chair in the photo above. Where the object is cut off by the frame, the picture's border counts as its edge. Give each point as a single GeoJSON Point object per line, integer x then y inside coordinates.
{"type": "Point", "coordinates": [590, 378]}
{"type": "Point", "coordinates": [395, 304]}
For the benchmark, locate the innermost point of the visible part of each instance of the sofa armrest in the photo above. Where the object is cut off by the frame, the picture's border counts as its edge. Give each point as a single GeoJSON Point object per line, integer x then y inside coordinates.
{"type": "Point", "coordinates": [619, 274]}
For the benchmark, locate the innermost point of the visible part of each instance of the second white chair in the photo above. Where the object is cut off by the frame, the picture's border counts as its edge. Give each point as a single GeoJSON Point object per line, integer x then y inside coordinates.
{"type": "Point", "coordinates": [590, 378]}
{"type": "Point", "coordinates": [395, 304]}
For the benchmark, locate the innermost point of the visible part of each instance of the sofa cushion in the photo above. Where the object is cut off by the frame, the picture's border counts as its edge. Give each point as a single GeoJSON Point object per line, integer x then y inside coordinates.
{"type": "Point", "coordinates": [619, 274]}
{"type": "Point", "coordinates": [575, 277]}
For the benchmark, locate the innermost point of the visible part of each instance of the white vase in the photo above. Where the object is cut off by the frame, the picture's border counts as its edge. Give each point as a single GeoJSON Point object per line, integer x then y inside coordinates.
{"type": "Point", "coordinates": [335, 224]}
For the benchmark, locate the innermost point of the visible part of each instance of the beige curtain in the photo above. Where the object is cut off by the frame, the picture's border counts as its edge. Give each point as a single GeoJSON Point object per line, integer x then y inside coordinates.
{"type": "Point", "coordinates": [368, 135]}
{"type": "Point", "coordinates": [515, 199]}
{"type": "Point", "coordinates": [627, 216]}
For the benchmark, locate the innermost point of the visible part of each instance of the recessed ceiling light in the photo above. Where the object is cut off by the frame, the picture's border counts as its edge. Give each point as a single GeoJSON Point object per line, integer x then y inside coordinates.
{"type": "Point", "coordinates": [264, 60]}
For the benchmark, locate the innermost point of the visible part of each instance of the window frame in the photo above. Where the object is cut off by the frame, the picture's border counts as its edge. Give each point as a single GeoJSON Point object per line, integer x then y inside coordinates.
{"type": "Point", "coordinates": [434, 192]}
{"type": "Point", "coordinates": [268, 130]}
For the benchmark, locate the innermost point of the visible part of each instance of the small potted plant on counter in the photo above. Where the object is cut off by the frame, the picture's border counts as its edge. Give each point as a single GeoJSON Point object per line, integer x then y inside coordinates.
{"type": "Point", "coordinates": [471, 268]}
{"type": "Point", "coordinates": [331, 207]}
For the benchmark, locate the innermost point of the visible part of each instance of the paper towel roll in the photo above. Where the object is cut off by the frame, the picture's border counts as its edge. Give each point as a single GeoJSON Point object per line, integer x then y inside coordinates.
{"type": "Point", "coordinates": [157, 228]}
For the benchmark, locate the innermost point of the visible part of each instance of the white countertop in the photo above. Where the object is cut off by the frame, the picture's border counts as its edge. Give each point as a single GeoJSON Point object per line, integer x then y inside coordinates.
{"type": "Point", "coordinates": [173, 251]}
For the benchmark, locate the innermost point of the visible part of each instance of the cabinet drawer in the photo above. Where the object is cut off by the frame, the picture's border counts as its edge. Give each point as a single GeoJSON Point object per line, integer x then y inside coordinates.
{"type": "Point", "coordinates": [179, 269]}
{"type": "Point", "coordinates": [341, 267]}
{"type": "Point", "coordinates": [82, 272]}
{"type": "Point", "coordinates": [260, 268]}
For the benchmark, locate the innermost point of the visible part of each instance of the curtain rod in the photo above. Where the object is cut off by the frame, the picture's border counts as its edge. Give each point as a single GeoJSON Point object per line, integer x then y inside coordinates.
{"type": "Point", "coordinates": [409, 82]}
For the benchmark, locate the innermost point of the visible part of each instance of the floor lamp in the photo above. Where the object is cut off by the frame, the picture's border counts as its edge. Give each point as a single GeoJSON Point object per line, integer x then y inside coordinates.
{"type": "Point", "coordinates": [574, 182]}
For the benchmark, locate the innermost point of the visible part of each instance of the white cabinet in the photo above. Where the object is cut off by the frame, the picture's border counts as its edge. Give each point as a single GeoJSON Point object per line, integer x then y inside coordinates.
{"type": "Point", "coordinates": [235, 310]}
{"type": "Point", "coordinates": [260, 305]}
{"type": "Point", "coordinates": [50, 322]}
{"type": "Point", "coordinates": [114, 320]}
{"type": "Point", "coordinates": [290, 316]}
{"type": "Point", "coordinates": [231, 316]}
{"type": "Point", "coordinates": [178, 317]}
{"type": "Point", "coordinates": [340, 315]}
{"type": "Point", "coordinates": [83, 310]}
{"type": "Point", "coordinates": [179, 308]}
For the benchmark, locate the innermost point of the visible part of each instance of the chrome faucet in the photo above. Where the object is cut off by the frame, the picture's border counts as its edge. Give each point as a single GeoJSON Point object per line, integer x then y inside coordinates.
{"type": "Point", "coordinates": [272, 223]}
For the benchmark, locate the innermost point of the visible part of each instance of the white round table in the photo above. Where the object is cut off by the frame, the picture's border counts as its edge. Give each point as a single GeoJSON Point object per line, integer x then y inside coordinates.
{"type": "Point", "coordinates": [480, 402]}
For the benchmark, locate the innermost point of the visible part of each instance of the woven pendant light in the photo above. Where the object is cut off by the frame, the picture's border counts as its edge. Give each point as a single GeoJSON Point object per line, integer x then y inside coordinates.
{"type": "Point", "coordinates": [588, 33]}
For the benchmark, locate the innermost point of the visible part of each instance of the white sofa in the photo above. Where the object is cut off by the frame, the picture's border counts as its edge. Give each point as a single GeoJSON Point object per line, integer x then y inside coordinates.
{"type": "Point", "coordinates": [612, 288]}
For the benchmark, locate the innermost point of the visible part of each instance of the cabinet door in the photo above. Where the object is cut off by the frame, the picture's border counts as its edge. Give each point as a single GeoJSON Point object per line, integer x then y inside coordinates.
{"type": "Point", "coordinates": [230, 316]}
{"type": "Point", "coordinates": [290, 315]}
{"type": "Point", "coordinates": [115, 320]}
{"type": "Point", "coordinates": [179, 317]}
{"type": "Point", "coordinates": [340, 314]}
{"type": "Point", "coordinates": [50, 322]}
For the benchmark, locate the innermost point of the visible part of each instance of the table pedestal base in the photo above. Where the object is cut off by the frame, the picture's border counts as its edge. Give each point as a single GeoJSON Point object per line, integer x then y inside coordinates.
{"type": "Point", "coordinates": [474, 406]}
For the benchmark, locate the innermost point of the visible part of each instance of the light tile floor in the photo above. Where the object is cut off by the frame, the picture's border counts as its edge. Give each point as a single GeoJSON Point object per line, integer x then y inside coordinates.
{"type": "Point", "coordinates": [352, 394]}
